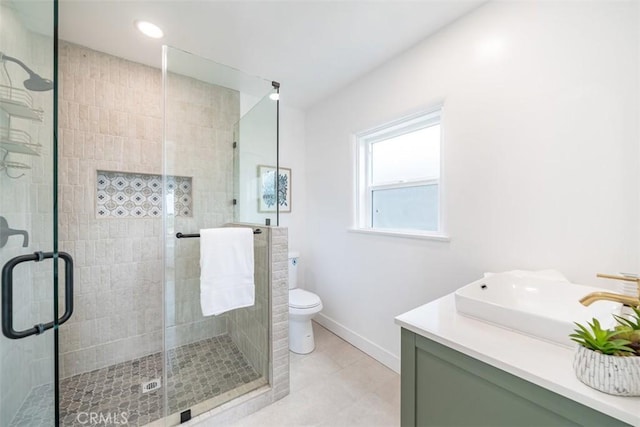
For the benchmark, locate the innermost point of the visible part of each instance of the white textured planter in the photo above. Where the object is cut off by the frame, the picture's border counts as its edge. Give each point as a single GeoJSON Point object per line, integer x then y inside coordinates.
{"type": "Point", "coordinates": [610, 374]}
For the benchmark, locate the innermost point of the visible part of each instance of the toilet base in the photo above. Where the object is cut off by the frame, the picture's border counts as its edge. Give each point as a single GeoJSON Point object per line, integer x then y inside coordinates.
{"type": "Point", "coordinates": [301, 336]}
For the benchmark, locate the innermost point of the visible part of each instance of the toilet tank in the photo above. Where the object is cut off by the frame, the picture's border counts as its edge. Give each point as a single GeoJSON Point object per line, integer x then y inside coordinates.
{"type": "Point", "coordinates": [293, 269]}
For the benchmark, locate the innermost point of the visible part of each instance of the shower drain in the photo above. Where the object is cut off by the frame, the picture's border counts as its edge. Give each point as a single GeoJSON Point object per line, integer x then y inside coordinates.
{"type": "Point", "coordinates": [151, 385]}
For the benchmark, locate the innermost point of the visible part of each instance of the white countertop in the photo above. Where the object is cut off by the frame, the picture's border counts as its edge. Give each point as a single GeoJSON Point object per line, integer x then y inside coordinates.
{"type": "Point", "coordinates": [539, 362]}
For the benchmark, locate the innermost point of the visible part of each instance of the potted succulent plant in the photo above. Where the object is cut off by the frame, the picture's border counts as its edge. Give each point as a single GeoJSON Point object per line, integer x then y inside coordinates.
{"type": "Point", "coordinates": [609, 359]}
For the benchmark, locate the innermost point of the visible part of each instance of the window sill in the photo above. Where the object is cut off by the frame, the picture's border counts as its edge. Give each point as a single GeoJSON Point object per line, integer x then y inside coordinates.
{"type": "Point", "coordinates": [425, 235]}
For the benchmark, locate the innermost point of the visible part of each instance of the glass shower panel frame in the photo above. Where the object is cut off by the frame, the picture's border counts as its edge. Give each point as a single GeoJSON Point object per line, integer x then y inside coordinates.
{"type": "Point", "coordinates": [205, 106]}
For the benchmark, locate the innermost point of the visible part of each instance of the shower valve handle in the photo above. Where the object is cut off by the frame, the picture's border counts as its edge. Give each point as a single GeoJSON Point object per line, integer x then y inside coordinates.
{"type": "Point", "coordinates": [6, 232]}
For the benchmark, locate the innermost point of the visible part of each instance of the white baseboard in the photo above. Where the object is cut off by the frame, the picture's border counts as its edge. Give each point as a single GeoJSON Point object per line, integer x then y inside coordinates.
{"type": "Point", "coordinates": [372, 349]}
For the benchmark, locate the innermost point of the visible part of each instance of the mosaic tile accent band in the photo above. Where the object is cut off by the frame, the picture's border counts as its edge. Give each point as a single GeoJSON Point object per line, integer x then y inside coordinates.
{"type": "Point", "coordinates": [123, 194]}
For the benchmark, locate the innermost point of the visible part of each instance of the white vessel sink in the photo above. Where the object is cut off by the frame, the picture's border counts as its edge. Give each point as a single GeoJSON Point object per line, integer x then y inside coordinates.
{"type": "Point", "coordinates": [545, 309]}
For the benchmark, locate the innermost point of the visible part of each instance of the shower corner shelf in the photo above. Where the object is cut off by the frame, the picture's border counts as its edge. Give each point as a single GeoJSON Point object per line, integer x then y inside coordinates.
{"type": "Point", "coordinates": [18, 141]}
{"type": "Point", "coordinates": [18, 103]}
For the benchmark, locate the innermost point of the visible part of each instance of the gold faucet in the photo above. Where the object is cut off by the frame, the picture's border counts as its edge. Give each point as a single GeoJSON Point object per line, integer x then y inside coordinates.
{"type": "Point", "coordinates": [609, 296]}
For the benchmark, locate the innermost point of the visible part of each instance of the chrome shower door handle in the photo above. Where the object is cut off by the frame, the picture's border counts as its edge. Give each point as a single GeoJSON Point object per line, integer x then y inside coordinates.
{"type": "Point", "coordinates": [7, 294]}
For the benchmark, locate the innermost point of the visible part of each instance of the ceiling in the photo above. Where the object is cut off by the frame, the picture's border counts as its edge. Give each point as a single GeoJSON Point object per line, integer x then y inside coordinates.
{"type": "Point", "coordinates": [312, 48]}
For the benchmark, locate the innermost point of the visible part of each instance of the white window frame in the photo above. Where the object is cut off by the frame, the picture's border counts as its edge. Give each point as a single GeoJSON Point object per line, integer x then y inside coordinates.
{"type": "Point", "coordinates": [364, 187]}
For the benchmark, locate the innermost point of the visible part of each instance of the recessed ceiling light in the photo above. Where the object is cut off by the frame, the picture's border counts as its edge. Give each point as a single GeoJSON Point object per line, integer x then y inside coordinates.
{"type": "Point", "coordinates": [149, 29]}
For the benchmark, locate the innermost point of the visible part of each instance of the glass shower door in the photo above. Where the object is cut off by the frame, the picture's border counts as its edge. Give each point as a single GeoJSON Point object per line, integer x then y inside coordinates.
{"type": "Point", "coordinates": [28, 252]}
{"type": "Point", "coordinates": [212, 112]}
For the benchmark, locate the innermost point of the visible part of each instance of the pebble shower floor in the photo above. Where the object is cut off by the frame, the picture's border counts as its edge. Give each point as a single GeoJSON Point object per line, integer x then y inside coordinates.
{"type": "Point", "coordinates": [196, 372]}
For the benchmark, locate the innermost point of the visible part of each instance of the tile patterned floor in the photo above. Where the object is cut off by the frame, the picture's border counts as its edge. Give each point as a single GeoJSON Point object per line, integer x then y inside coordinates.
{"type": "Point", "coordinates": [335, 386]}
{"type": "Point", "coordinates": [196, 372]}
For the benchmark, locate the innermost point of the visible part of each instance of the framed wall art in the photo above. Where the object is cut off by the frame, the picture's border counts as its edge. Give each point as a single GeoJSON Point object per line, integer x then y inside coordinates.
{"type": "Point", "coordinates": [267, 198]}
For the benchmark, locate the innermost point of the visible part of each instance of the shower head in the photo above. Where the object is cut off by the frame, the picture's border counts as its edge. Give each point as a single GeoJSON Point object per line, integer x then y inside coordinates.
{"type": "Point", "coordinates": [34, 82]}
{"type": "Point", "coordinates": [38, 84]}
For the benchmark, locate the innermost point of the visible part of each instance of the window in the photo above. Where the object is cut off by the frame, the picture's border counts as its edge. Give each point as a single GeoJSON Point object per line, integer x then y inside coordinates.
{"type": "Point", "coordinates": [399, 176]}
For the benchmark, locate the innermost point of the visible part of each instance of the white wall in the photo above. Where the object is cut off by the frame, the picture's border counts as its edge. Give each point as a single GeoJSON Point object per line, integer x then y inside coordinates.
{"type": "Point", "coordinates": [292, 155]}
{"type": "Point", "coordinates": [540, 152]}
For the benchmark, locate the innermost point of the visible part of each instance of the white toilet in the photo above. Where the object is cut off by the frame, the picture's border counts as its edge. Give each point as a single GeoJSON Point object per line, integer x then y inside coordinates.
{"type": "Point", "coordinates": [303, 305]}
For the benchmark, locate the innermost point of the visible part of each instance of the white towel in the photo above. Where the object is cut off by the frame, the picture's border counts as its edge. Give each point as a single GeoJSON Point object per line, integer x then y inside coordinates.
{"type": "Point", "coordinates": [226, 269]}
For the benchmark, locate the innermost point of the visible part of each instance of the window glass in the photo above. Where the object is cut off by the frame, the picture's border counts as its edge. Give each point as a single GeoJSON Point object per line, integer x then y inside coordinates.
{"type": "Point", "coordinates": [413, 208]}
{"type": "Point", "coordinates": [408, 157]}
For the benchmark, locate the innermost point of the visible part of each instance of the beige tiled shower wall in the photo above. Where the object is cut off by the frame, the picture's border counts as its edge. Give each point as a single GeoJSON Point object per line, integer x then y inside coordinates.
{"type": "Point", "coordinates": [199, 145]}
{"type": "Point", "coordinates": [27, 204]}
{"type": "Point", "coordinates": [111, 119]}
{"type": "Point", "coordinates": [280, 312]}
{"type": "Point", "coordinates": [249, 327]}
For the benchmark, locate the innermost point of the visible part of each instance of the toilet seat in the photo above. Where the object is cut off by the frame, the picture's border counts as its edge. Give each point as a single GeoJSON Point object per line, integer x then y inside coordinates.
{"type": "Point", "coordinates": [299, 298]}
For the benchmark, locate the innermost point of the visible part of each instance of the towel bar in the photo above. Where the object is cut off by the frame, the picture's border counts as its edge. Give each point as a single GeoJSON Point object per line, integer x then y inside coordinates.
{"type": "Point", "coordinates": [188, 236]}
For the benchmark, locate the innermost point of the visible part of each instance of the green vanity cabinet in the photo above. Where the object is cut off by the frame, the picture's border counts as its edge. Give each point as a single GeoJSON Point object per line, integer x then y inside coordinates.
{"type": "Point", "coordinates": [443, 387]}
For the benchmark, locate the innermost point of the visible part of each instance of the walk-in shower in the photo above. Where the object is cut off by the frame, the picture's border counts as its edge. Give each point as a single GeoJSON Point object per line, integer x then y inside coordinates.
{"type": "Point", "coordinates": [141, 155]}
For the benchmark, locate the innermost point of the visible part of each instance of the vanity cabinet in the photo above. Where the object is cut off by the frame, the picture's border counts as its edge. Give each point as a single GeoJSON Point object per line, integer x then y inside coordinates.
{"type": "Point", "coordinates": [443, 387]}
